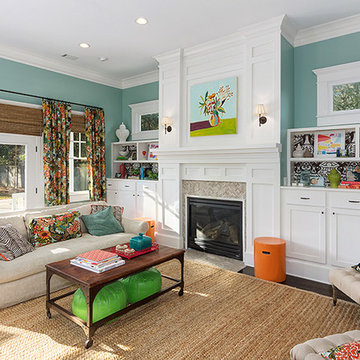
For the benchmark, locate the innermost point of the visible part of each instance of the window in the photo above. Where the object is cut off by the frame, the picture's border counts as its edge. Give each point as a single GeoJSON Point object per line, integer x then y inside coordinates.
{"type": "Point", "coordinates": [338, 94]}
{"type": "Point", "coordinates": [346, 97]}
{"type": "Point", "coordinates": [78, 168]}
{"type": "Point", "coordinates": [20, 172]}
{"type": "Point", "coordinates": [145, 120]}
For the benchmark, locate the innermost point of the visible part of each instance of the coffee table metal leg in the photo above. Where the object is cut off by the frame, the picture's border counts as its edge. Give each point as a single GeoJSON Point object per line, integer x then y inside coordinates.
{"type": "Point", "coordinates": [181, 259]}
{"type": "Point", "coordinates": [48, 278]}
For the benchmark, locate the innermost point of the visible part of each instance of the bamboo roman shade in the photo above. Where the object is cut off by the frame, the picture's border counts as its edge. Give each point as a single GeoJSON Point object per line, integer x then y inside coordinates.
{"type": "Point", "coordinates": [28, 121]}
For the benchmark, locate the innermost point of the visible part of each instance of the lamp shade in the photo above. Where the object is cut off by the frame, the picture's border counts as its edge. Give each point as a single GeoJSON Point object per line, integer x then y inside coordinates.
{"type": "Point", "coordinates": [260, 109]}
{"type": "Point", "coordinates": [166, 121]}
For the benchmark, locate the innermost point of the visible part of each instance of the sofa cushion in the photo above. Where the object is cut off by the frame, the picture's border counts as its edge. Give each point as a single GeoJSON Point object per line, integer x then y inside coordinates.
{"type": "Point", "coordinates": [102, 223]}
{"type": "Point", "coordinates": [84, 210]}
{"type": "Point", "coordinates": [35, 261]}
{"type": "Point", "coordinates": [53, 228]}
{"type": "Point", "coordinates": [17, 221]}
{"type": "Point", "coordinates": [30, 215]}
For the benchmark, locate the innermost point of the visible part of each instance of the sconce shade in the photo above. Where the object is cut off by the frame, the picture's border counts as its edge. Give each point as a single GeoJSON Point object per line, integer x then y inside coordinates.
{"type": "Point", "coordinates": [260, 109]}
{"type": "Point", "coordinates": [166, 121]}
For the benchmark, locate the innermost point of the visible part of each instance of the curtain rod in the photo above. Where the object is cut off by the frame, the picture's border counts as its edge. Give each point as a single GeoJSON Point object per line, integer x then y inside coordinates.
{"type": "Point", "coordinates": [46, 98]}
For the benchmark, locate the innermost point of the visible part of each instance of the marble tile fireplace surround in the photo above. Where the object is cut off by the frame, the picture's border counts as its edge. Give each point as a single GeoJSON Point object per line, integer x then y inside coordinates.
{"type": "Point", "coordinates": [250, 174]}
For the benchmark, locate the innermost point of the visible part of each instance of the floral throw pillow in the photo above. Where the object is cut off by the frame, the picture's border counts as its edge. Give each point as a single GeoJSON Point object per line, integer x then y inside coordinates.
{"type": "Point", "coordinates": [349, 351]}
{"type": "Point", "coordinates": [117, 211]}
{"type": "Point", "coordinates": [53, 228]}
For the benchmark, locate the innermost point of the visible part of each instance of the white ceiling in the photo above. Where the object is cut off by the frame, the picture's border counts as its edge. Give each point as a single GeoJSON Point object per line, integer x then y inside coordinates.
{"type": "Point", "coordinates": [39, 31]}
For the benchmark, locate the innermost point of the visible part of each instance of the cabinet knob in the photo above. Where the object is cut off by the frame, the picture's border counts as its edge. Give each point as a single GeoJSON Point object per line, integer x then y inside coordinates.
{"type": "Point", "coordinates": [133, 194]}
{"type": "Point", "coordinates": [322, 213]}
{"type": "Point", "coordinates": [354, 201]}
{"type": "Point", "coordinates": [304, 198]}
{"type": "Point", "coordinates": [333, 213]}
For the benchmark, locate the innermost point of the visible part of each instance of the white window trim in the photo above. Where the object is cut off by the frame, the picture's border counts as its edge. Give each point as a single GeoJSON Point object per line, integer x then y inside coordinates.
{"type": "Point", "coordinates": [137, 110]}
{"type": "Point", "coordinates": [326, 79]}
{"type": "Point", "coordinates": [75, 196]}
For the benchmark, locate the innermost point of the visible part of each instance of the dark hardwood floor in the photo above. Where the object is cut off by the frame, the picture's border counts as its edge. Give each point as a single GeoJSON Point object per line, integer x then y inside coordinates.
{"type": "Point", "coordinates": [304, 284]}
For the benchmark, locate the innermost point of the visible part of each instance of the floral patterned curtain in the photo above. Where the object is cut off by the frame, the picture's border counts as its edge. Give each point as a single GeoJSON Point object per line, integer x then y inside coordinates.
{"type": "Point", "coordinates": [56, 138]}
{"type": "Point", "coordinates": [95, 151]}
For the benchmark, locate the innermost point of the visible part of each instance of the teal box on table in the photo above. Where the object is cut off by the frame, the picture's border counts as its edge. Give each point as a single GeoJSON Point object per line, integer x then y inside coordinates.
{"type": "Point", "coordinates": [140, 242]}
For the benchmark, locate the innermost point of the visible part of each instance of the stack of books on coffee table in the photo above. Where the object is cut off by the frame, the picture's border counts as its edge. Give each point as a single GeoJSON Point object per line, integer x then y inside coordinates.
{"type": "Point", "coordinates": [97, 261]}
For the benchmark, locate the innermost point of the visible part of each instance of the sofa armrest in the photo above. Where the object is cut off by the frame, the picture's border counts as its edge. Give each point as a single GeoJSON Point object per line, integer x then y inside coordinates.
{"type": "Point", "coordinates": [134, 226]}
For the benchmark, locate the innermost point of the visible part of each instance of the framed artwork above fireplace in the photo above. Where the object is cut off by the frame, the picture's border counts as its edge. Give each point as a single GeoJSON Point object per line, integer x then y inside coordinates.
{"type": "Point", "coordinates": [213, 108]}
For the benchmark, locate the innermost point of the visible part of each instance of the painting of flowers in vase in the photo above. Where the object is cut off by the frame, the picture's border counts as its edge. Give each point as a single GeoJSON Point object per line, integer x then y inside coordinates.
{"type": "Point", "coordinates": [213, 108]}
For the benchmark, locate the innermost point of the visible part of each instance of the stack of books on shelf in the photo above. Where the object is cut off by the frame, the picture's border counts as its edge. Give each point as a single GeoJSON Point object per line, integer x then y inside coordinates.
{"type": "Point", "coordinates": [349, 185]}
{"type": "Point", "coordinates": [97, 261]}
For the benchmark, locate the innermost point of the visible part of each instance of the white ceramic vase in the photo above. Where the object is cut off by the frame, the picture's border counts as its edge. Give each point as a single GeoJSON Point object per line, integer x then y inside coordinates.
{"type": "Point", "coordinates": [122, 133]}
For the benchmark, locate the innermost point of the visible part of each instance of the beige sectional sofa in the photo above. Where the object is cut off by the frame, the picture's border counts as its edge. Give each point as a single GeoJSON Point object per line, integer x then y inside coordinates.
{"type": "Point", "coordinates": [24, 277]}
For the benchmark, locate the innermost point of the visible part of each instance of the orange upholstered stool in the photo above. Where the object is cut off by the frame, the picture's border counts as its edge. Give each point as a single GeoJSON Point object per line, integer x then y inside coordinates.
{"type": "Point", "coordinates": [269, 258]}
{"type": "Point", "coordinates": [151, 231]}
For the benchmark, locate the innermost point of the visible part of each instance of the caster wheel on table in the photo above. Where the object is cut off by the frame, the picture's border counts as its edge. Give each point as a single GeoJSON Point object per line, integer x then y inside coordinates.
{"type": "Point", "coordinates": [88, 343]}
{"type": "Point", "coordinates": [181, 292]}
{"type": "Point", "coordinates": [48, 314]}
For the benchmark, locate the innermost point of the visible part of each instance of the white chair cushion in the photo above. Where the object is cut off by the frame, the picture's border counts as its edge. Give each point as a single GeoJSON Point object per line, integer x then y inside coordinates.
{"type": "Point", "coordinates": [311, 349]}
{"type": "Point", "coordinates": [348, 281]}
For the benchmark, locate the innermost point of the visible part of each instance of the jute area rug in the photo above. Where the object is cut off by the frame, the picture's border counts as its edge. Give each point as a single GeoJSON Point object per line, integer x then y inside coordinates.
{"type": "Point", "coordinates": [222, 315]}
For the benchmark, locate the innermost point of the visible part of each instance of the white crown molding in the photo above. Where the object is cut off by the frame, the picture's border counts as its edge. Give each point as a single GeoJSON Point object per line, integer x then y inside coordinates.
{"type": "Point", "coordinates": [169, 56]}
{"type": "Point", "coordinates": [328, 30]}
{"type": "Point", "coordinates": [141, 79]}
{"type": "Point", "coordinates": [288, 31]}
{"type": "Point", "coordinates": [56, 66]}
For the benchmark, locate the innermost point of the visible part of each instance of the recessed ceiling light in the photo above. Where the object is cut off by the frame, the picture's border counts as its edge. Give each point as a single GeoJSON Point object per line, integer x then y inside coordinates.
{"type": "Point", "coordinates": [103, 58]}
{"type": "Point", "coordinates": [141, 21]}
{"type": "Point", "coordinates": [84, 45]}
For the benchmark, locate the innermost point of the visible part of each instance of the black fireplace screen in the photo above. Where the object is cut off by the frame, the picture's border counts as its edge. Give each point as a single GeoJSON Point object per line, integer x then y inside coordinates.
{"type": "Point", "coordinates": [215, 226]}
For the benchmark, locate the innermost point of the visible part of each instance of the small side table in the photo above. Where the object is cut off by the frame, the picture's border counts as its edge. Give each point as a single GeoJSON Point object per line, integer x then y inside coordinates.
{"type": "Point", "coordinates": [151, 231]}
{"type": "Point", "coordinates": [269, 258]}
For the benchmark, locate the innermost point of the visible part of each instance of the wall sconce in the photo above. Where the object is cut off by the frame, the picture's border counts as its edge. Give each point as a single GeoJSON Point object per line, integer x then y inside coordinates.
{"type": "Point", "coordinates": [260, 111]}
{"type": "Point", "coordinates": [166, 123]}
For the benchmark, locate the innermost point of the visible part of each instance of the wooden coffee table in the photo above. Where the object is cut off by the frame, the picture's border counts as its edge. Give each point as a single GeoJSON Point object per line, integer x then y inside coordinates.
{"type": "Point", "coordinates": [91, 283]}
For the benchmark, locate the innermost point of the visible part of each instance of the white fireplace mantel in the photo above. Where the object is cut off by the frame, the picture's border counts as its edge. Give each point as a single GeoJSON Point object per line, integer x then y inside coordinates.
{"type": "Point", "coordinates": [248, 154]}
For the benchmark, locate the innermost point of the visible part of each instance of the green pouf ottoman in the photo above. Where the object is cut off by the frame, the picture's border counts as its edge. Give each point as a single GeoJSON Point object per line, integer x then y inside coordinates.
{"type": "Point", "coordinates": [142, 285]}
{"type": "Point", "coordinates": [109, 299]}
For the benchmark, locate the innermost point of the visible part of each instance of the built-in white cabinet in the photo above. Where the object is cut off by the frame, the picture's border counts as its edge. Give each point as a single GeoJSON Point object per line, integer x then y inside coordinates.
{"type": "Point", "coordinates": [138, 197]}
{"type": "Point", "coordinates": [321, 228]}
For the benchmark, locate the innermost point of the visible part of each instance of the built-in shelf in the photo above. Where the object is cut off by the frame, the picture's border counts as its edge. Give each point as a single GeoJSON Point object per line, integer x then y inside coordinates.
{"type": "Point", "coordinates": [137, 157]}
{"type": "Point", "coordinates": [329, 159]}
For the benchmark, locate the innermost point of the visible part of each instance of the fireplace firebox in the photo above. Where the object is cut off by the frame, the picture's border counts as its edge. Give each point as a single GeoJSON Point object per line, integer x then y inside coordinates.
{"type": "Point", "coordinates": [215, 226]}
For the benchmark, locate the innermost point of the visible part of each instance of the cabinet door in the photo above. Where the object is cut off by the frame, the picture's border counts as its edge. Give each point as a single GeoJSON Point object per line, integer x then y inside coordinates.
{"type": "Point", "coordinates": [344, 236]}
{"type": "Point", "coordinates": [127, 200]}
{"type": "Point", "coordinates": [112, 197]}
{"type": "Point", "coordinates": [146, 201]}
{"type": "Point", "coordinates": [304, 231]}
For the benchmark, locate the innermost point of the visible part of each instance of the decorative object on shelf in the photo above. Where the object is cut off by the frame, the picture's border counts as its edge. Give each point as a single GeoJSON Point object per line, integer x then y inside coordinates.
{"type": "Point", "coordinates": [153, 147]}
{"type": "Point", "coordinates": [122, 133]}
{"type": "Point", "coordinates": [217, 101]}
{"type": "Point", "coordinates": [123, 153]}
{"type": "Point", "coordinates": [298, 152]}
{"type": "Point", "coordinates": [122, 171]}
{"type": "Point", "coordinates": [121, 247]}
{"type": "Point", "coordinates": [260, 112]}
{"type": "Point", "coordinates": [353, 173]}
{"type": "Point", "coordinates": [305, 178]}
{"type": "Point", "coordinates": [142, 173]}
{"type": "Point", "coordinates": [334, 178]}
{"type": "Point", "coordinates": [328, 142]}
{"type": "Point", "coordinates": [317, 181]}
{"type": "Point", "coordinates": [144, 154]}
{"type": "Point", "coordinates": [166, 122]}
{"type": "Point", "coordinates": [308, 153]}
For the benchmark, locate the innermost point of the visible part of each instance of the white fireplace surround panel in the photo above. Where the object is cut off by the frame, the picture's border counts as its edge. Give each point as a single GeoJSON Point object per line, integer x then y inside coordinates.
{"type": "Point", "coordinates": [262, 210]}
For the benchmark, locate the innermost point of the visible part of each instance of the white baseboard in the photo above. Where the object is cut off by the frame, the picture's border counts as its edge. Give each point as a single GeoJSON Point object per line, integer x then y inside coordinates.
{"type": "Point", "coordinates": [307, 270]}
{"type": "Point", "coordinates": [169, 240]}
{"type": "Point", "coordinates": [248, 258]}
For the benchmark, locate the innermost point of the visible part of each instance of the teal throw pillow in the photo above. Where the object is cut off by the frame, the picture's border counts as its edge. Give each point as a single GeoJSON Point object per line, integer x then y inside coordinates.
{"type": "Point", "coordinates": [102, 223]}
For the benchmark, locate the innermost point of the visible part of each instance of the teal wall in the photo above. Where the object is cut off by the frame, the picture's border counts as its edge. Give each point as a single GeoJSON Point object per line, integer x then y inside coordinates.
{"type": "Point", "coordinates": [336, 51]}
{"type": "Point", "coordinates": [287, 98]}
{"type": "Point", "coordinates": [137, 94]}
{"type": "Point", "coordinates": [32, 80]}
